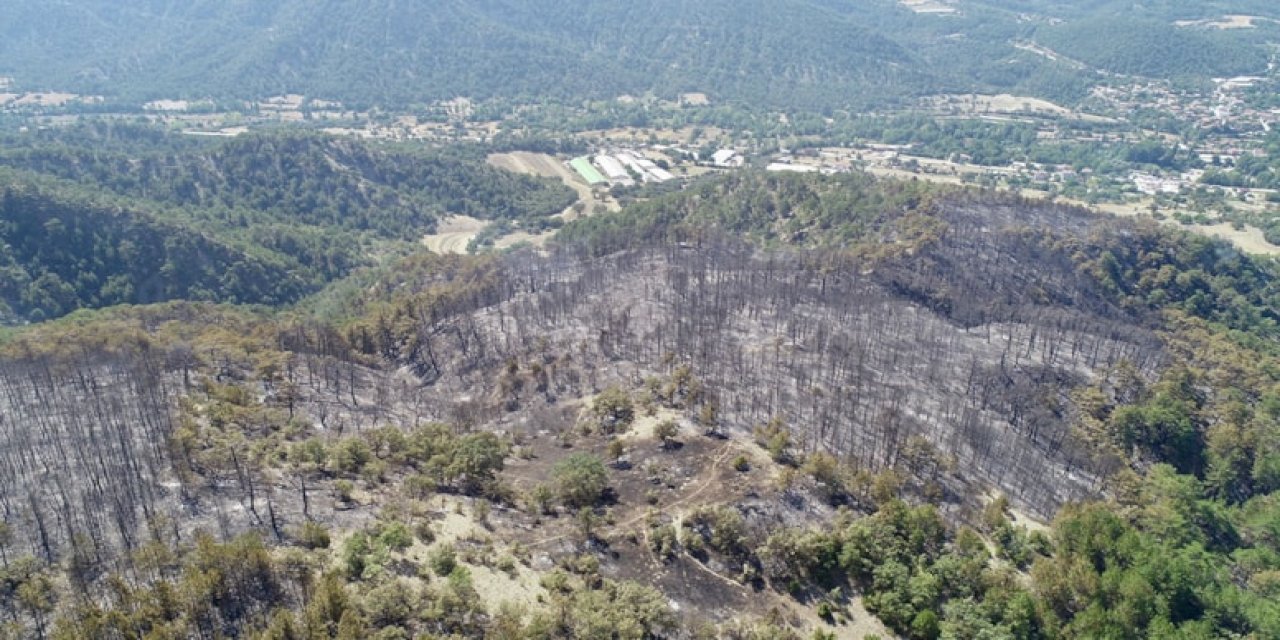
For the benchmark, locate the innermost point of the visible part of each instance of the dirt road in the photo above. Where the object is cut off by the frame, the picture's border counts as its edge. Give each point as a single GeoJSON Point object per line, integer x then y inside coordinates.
{"type": "Point", "coordinates": [453, 234]}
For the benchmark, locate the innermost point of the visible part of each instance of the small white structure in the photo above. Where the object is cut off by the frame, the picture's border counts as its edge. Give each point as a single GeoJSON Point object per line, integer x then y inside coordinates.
{"type": "Point", "coordinates": [791, 168]}
{"type": "Point", "coordinates": [727, 158]}
{"type": "Point", "coordinates": [1152, 185]}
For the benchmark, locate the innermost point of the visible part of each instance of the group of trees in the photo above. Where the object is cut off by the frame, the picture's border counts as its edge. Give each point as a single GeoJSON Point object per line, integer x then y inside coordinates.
{"type": "Point", "coordinates": [772, 208]}
{"type": "Point", "coordinates": [1159, 566]}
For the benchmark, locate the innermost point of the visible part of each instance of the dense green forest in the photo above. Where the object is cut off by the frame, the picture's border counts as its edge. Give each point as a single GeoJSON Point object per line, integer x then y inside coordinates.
{"type": "Point", "coordinates": [798, 54]}
{"type": "Point", "coordinates": [1156, 49]}
{"type": "Point", "coordinates": [265, 218]}
{"type": "Point", "coordinates": [299, 178]}
{"type": "Point", "coordinates": [59, 254]}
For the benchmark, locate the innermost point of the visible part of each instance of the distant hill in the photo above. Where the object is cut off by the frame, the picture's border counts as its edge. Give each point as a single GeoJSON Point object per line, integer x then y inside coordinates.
{"type": "Point", "coordinates": [383, 51]}
{"type": "Point", "coordinates": [815, 54]}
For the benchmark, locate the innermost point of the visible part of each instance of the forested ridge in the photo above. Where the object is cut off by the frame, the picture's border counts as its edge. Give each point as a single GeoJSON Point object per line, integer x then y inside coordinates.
{"type": "Point", "coordinates": [304, 179]}
{"type": "Point", "coordinates": [811, 55]}
{"type": "Point", "coordinates": [262, 219]}
{"type": "Point", "coordinates": [770, 208]}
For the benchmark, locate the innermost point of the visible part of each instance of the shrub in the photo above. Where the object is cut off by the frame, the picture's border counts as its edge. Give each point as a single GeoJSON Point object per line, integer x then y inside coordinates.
{"type": "Point", "coordinates": [613, 410]}
{"type": "Point", "coordinates": [443, 560]}
{"type": "Point", "coordinates": [313, 535]}
{"type": "Point", "coordinates": [580, 480]}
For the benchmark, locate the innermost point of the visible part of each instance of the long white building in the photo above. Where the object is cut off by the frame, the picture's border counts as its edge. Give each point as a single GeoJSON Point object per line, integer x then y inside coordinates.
{"type": "Point", "coordinates": [612, 168]}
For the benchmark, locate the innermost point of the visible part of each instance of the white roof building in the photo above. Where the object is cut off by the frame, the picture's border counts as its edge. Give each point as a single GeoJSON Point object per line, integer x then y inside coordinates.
{"type": "Point", "coordinates": [792, 168]}
{"type": "Point", "coordinates": [727, 158]}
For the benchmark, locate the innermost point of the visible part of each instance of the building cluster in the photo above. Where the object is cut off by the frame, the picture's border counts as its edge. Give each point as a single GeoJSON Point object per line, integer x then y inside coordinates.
{"type": "Point", "coordinates": [1225, 107]}
{"type": "Point", "coordinates": [625, 167]}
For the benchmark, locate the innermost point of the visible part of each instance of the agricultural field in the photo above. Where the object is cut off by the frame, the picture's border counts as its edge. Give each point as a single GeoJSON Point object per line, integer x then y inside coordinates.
{"type": "Point", "coordinates": [541, 164]}
{"type": "Point", "coordinates": [1007, 104]}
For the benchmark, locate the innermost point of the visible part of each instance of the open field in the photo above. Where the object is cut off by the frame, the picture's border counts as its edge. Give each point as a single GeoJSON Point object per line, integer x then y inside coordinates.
{"type": "Point", "coordinates": [49, 99]}
{"type": "Point", "coordinates": [928, 6]}
{"type": "Point", "coordinates": [1248, 239]}
{"type": "Point", "coordinates": [453, 234]}
{"type": "Point", "coordinates": [695, 99]}
{"type": "Point", "coordinates": [516, 237]}
{"type": "Point", "coordinates": [1007, 104]}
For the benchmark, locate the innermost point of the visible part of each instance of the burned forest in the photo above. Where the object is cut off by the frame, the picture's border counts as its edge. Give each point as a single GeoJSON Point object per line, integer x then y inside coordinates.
{"type": "Point", "coordinates": [998, 363]}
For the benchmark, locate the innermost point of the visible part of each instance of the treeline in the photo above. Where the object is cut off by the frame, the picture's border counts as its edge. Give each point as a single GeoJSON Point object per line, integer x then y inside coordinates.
{"type": "Point", "coordinates": [769, 207]}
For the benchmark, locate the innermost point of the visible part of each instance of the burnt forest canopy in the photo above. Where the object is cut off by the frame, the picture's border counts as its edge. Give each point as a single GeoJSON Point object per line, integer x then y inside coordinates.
{"type": "Point", "coordinates": [836, 386]}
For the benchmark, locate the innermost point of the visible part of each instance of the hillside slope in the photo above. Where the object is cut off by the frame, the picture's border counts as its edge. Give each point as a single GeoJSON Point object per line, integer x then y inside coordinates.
{"type": "Point", "coordinates": [299, 210]}
{"type": "Point", "coordinates": [799, 54]}
{"type": "Point", "coordinates": [58, 255]}
{"type": "Point", "coordinates": [675, 437]}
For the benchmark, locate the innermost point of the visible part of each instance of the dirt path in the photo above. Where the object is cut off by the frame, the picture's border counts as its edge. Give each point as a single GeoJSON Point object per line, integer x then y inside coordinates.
{"type": "Point", "coordinates": [453, 234]}
{"type": "Point", "coordinates": [711, 476]}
